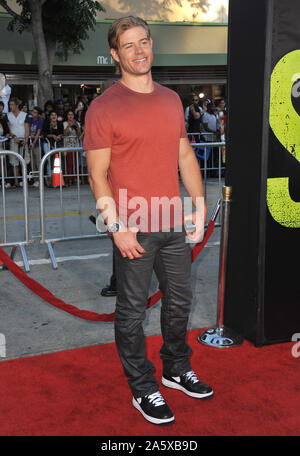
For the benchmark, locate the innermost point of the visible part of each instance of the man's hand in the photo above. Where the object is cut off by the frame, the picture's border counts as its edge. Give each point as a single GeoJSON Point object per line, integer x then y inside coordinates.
{"type": "Point", "coordinates": [127, 243]}
{"type": "Point", "coordinates": [197, 219]}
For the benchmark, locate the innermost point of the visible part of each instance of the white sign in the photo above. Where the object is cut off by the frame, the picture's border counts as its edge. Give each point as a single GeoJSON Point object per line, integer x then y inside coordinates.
{"type": "Point", "coordinates": [104, 60]}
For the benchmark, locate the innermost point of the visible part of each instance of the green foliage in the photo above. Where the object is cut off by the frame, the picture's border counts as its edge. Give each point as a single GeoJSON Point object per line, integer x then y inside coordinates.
{"type": "Point", "coordinates": [22, 22]}
{"type": "Point", "coordinates": [66, 22]}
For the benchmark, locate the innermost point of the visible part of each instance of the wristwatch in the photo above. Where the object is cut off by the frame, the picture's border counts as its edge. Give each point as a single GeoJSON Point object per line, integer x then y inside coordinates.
{"type": "Point", "coordinates": [115, 227]}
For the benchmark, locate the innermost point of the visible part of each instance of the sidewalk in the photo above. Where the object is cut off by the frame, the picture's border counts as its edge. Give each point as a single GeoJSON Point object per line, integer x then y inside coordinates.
{"type": "Point", "coordinates": [31, 326]}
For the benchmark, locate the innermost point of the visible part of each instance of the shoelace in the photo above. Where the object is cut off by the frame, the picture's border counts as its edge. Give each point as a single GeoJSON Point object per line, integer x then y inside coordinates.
{"type": "Point", "coordinates": [156, 399]}
{"type": "Point", "coordinates": [191, 376]}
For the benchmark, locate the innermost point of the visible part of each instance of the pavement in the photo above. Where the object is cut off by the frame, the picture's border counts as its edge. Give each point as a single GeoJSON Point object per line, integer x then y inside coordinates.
{"type": "Point", "coordinates": [31, 326]}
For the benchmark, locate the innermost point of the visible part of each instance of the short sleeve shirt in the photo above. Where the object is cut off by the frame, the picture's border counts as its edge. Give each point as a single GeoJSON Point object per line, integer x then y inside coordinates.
{"type": "Point", "coordinates": [17, 124]}
{"type": "Point", "coordinates": [143, 131]}
{"type": "Point", "coordinates": [35, 125]}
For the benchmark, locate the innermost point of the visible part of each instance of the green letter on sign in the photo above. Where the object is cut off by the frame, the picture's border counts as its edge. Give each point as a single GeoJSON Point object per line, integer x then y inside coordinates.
{"type": "Point", "coordinates": [285, 124]}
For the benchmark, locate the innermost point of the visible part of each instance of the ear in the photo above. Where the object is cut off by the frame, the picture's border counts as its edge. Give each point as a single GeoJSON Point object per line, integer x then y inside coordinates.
{"type": "Point", "coordinates": [114, 55]}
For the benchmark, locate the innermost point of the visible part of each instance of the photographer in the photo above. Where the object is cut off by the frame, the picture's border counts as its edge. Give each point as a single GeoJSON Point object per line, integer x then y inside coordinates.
{"type": "Point", "coordinates": [195, 117]}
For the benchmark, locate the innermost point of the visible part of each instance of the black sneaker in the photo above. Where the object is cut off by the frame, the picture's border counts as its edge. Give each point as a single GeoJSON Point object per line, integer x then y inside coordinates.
{"type": "Point", "coordinates": [154, 408]}
{"type": "Point", "coordinates": [189, 384]}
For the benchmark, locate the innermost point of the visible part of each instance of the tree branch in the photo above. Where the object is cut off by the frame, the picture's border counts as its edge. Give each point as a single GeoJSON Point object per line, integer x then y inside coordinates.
{"type": "Point", "coordinates": [9, 10]}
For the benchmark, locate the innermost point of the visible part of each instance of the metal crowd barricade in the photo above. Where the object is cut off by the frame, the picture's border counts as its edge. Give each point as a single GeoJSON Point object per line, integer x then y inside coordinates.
{"type": "Point", "coordinates": [26, 238]}
{"type": "Point", "coordinates": [34, 173]}
{"type": "Point", "coordinates": [63, 235]}
{"type": "Point", "coordinates": [211, 160]}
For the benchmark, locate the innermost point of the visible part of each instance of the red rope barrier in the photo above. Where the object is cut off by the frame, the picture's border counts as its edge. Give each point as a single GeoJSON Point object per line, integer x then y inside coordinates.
{"type": "Point", "coordinates": [47, 296]}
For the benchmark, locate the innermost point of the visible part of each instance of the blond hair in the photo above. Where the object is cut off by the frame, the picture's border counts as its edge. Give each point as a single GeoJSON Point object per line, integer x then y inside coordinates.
{"type": "Point", "coordinates": [121, 25]}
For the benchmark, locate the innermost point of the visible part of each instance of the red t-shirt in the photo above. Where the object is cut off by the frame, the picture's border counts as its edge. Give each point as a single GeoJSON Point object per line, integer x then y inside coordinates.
{"type": "Point", "coordinates": [143, 131]}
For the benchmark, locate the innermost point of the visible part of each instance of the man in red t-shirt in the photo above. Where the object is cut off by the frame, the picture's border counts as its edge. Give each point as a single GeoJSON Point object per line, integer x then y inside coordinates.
{"type": "Point", "coordinates": [135, 140]}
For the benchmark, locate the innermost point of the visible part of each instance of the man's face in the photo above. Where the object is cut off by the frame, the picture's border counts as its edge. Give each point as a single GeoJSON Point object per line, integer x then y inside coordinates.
{"type": "Point", "coordinates": [135, 54]}
{"type": "Point", "coordinates": [195, 100]}
{"type": "Point", "coordinates": [12, 106]}
{"type": "Point", "coordinates": [34, 114]}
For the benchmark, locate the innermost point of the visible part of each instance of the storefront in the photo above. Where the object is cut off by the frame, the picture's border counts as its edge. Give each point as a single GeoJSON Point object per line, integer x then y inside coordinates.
{"type": "Point", "coordinates": [187, 57]}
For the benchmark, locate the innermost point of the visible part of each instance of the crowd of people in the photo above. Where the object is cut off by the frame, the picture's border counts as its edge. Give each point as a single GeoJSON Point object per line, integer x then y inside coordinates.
{"type": "Point", "coordinates": [205, 119]}
{"type": "Point", "coordinates": [206, 123]}
{"type": "Point", "coordinates": [33, 133]}
{"type": "Point", "coordinates": [61, 124]}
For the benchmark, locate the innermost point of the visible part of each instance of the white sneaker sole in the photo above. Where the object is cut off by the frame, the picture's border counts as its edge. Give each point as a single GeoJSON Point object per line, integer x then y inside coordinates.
{"type": "Point", "coordinates": [176, 386]}
{"type": "Point", "coordinates": [149, 418]}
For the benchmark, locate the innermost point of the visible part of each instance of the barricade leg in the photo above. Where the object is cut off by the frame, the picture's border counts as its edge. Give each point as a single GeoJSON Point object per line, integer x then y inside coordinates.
{"type": "Point", "coordinates": [51, 255]}
{"type": "Point", "coordinates": [25, 259]}
{"type": "Point", "coordinates": [24, 256]}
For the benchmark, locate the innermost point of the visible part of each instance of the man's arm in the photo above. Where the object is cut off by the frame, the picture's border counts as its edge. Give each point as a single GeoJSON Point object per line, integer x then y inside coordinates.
{"type": "Point", "coordinates": [98, 163]}
{"type": "Point", "coordinates": [192, 180]}
{"type": "Point", "coordinates": [27, 132]}
{"type": "Point", "coordinates": [195, 114]}
{"type": "Point", "coordinates": [35, 138]}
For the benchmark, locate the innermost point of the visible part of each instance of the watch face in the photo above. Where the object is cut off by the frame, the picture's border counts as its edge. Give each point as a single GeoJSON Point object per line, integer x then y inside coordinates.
{"type": "Point", "coordinates": [114, 227]}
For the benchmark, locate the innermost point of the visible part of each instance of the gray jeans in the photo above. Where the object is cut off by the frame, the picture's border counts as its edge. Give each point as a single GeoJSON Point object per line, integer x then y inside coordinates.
{"type": "Point", "coordinates": [169, 256]}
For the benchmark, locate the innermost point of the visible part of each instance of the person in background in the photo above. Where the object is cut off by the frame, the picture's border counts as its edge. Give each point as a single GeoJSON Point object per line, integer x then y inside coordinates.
{"type": "Point", "coordinates": [52, 132]}
{"type": "Point", "coordinates": [212, 126]}
{"type": "Point", "coordinates": [3, 115]}
{"type": "Point", "coordinates": [211, 123]}
{"type": "Point", "coordinates": [5, 92]}
{"type": "Point", "coordinates": [222, 107]}
{"type": "Point", "coordinates": [59, 109]}
{"type": "Point", "coordinates": [18, 123]}
{"type": "Point", "coordinates": [205, 103]}
{"type": "Point", "coordinates": [24, 107]}
{"type": "Point", "coordinates": [222, 111]}
{"type": "Point", "coordinates": [187, 112]}
{"type": "Point", "coordinates": [80, 112]}
{"type": "Point", "coordinates": [4, 133]}
{"type": "Point", "coordinates": [36, 125]}
{"type": "Point", "coordinates": [4, 130]}
{"type": "Point", "coordinates": [67, 106]}
{"type": "Point", "coordinates": [48, 108]}
{"type": "Point", "coordinates": [72, 134]}
{"type": "Point", "coordinates": [85, 100]}
{"type": "Point", "coordinates": [195, 118]}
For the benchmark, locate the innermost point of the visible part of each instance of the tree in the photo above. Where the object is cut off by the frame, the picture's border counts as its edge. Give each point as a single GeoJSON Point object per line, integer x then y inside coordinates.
{"type": "Point", "coordinates": [57, 27]}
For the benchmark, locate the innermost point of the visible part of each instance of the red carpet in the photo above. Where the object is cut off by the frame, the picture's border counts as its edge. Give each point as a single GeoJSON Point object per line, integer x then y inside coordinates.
{"type": "Point", "coordinates": [83, 392]}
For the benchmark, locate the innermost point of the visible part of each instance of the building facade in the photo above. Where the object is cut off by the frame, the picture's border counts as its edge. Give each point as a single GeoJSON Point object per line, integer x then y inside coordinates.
{"type": "Point", "coordinates": [189, 43]}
